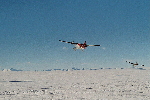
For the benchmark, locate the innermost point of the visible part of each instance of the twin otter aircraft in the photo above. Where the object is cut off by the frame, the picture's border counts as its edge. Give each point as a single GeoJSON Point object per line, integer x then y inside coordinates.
{"type": "Point", "coordinates": [134, 64]}
{"type": "Point", "coordinates": [79, 45]}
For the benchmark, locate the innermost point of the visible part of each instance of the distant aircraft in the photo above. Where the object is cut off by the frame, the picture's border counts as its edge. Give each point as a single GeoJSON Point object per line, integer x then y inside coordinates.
{"type": "Point", "coordinates": [134, 64]}
{"type": "Point", "coordinates": [79, 45]}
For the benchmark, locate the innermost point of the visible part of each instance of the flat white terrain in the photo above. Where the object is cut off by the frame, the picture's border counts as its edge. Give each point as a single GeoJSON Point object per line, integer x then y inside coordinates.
{"type": "Point", "coordinates": [104, 84]}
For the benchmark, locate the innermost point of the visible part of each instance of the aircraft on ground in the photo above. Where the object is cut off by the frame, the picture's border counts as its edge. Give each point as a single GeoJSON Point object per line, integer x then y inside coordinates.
{"type": "Point", "coordinates": [79, 45]}
{"type": "Point", "coordinates": [134, 64]}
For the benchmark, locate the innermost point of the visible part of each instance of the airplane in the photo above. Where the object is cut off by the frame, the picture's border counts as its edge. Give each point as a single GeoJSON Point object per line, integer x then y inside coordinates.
{"type": "Point", "coordinates": [134, 64]}
{"type": "Point", "coordinates": [79, 45]}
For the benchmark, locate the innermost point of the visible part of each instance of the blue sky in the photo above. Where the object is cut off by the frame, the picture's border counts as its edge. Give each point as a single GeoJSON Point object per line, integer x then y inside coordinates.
{"type": "Point", "coordinates": [30, 30]}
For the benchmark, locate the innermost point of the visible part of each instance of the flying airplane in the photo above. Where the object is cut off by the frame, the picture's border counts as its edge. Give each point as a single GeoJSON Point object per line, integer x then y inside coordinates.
{"type": "Point", "coordinates": [134, 64]}
{"type": "Point", "coordinates": [79, 45]}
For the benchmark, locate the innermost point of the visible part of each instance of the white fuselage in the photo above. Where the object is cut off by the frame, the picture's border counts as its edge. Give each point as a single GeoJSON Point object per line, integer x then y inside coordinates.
{"type": "Point", "coordinates": [77, 46]}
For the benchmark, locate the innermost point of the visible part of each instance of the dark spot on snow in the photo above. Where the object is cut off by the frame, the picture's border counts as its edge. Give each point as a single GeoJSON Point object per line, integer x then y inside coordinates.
{"type": "Point", "coordinates": [20, 81]}
{"type": "Point", "coordinates": [140, 92]}
{"type": "Point", "coordinates": [44, 88]}
{"type": "Point", "coordinates": [89, 88]}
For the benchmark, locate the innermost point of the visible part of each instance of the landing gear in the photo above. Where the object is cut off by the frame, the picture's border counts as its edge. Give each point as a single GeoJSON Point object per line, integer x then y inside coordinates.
{"type": "Point", "coordinates": [74, 48]}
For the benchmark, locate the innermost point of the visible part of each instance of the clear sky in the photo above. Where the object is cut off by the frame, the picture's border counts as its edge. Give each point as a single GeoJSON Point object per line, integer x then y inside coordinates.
{"type": "Point", "coordinates": [30, 30]}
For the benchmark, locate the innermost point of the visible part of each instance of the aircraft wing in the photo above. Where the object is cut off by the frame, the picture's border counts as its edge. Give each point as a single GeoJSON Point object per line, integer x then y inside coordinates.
{"type": "Point", "coordinates": [93, 45]}
{"type": "Point", "coordinates": [68, 42]}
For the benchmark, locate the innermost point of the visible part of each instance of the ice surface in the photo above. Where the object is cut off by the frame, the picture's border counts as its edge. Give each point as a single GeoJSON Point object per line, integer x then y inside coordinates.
{"type": "Point", "coordinates": [104, 84]}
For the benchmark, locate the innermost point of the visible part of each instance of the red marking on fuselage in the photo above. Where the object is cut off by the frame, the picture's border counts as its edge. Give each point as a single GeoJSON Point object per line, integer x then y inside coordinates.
{"type": "Point", "coordinates": [82, 45]}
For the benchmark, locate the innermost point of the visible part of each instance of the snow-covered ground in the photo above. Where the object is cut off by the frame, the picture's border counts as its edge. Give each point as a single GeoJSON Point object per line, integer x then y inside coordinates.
{"type": "Point", "coordinates": [104, 84]}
